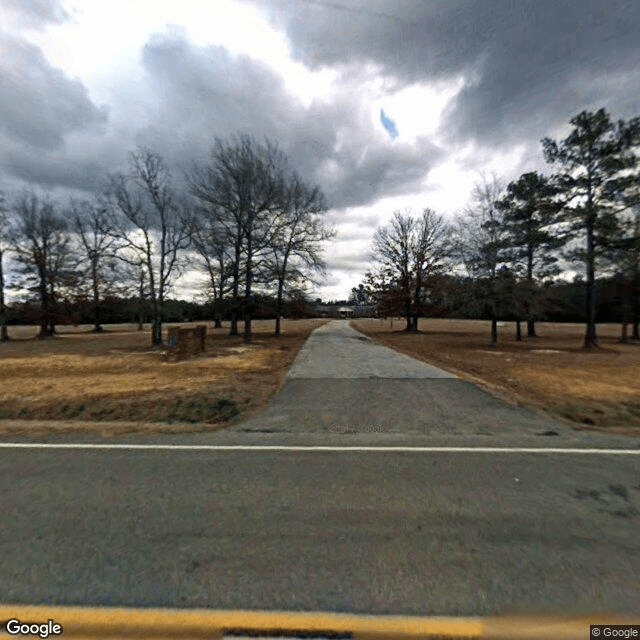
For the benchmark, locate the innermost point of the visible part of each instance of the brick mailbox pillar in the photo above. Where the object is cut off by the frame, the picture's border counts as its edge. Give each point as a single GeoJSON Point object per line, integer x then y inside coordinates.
{"type": "Point", "coordinates": [185, 342]}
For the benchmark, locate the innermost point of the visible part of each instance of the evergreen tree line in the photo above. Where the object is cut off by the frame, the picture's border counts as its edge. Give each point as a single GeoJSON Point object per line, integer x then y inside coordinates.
{"type": "Point", "coordinates": [502, 257]}
{"type": "Point", "coordinates": [245, 219]}
{"type": "Point", "coordinates": [77, 310]}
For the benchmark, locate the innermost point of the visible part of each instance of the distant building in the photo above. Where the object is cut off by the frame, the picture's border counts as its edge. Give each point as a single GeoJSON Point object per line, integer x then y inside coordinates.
{"type": "Point", "coordinates": [336, 311]}
{"type": "Point", "coordinates": [325, 311]}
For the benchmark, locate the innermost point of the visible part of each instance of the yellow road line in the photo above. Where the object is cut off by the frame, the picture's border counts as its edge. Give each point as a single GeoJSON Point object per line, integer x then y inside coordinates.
{"type": "Point", "coordinates": [121, 622]}
{"type": "Point", "coordinates": [101, 622]}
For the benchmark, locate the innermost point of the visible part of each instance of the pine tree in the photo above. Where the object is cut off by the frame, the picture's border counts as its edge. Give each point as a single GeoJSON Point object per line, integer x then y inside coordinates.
{"type": "Point", "coordinates": [530, 212]}
{"type": "Point", "coordinates": [594, 163]}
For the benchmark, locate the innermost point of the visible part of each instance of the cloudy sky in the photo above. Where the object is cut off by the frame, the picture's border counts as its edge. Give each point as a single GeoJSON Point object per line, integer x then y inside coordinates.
{"type": "Point", "coordinates": [466, 86]}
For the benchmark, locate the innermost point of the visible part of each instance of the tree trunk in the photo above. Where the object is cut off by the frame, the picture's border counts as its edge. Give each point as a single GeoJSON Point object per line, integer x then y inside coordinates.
{"type": "Point", "coordinates": [626, 315]}
{"type": "Point", "coordinates": [4, 335]}
{"type": "Point", "coordinates": [45, 330]}
{"type": "Point", "coordinates": [279, 306]}
{"type": "Point", "coordinates": [157, 297]}
{"type": "Point", "coordinates": [590, 338]}
{"type": "Point", "coordinates": [531, 329]}
{"type": "Point", "coordinates": [233, 328]}
{"type": "Point", "coordinates": [247, 324]}
{"type": "Point", "coordinates": [141, 302]}
{"type": "Point", "coordinates": [96, 318]}
{"type": "Point", "coordinates": [44, 308]}
{"type": "Point", "coordinates": [518, 331]}
{"type": "Point", "coordinates": [531, 325]}
{"type": "Point", "coordinates": [635, 306]}
{"type": "Point", "coordinates": [52, 308]}
{"type": "Point", "coordinates": [248, 310]}
{"type": "Point", "coordinates": [635, 281]}
{"type": "Point", "coordinates": [216, 312]}
{"type": "Point", "coordinates": [156, 331]}
{"type": "Point", "coordinates": [156, 325]}
{"type": "Point", "coordinates": [494, 332]}
{"type": "Point", "coordinates": [96, 298]}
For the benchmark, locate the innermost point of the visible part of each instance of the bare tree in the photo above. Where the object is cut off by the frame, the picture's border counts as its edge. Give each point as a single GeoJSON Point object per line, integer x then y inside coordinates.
{"type": "Point", "coordinates": [42, 246]}
{"type": "Point", "coordinates": [392, 248]}
{"type": "Point", "coordinates": [150, 225]}
{"type": "Point", "coordinates": [244, 185]}
{"type": "Point", "coordinates": [211, 240]}
{"type": "Point", "coordinates": [297, 242]}
{"type": "Point", "coordinates": [479, 239]}
{"type": "Point", "coordinates": [97, 245]}
{"type": "Point", "coordinates": [411, 253]}
{"type": "Point", "coordinates": [431, 247]}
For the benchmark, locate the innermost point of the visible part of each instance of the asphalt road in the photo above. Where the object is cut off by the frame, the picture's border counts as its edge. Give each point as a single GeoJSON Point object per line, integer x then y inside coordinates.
{"type": "Point", "coordinates": [386, 531]}
{"type": "Point", "coordinates": [414, 533]}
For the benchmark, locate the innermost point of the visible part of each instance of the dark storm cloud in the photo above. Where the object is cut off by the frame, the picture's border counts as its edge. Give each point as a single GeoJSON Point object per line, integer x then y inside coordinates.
{"type": "Point", "coordinates": [39, 104]}
{"type": "Point", "coordinates": [50, 169]}
{"type": "Point", "coordinates": [205, 93]}
{"type": "Point", "coordinates": [530, 65]}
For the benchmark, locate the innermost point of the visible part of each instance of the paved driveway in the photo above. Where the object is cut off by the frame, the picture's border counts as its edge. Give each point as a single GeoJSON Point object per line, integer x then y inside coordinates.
{"type": "Point", "coordinates": [336, 351]}
{"type": "Point", "coordinates": [344, 388]}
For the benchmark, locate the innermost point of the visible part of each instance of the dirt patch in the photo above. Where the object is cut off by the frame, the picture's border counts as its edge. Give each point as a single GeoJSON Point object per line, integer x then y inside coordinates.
{"type": "Point", "coordinates": [597, 389]}
{"type": "Point", "coordinates": [116, 377]}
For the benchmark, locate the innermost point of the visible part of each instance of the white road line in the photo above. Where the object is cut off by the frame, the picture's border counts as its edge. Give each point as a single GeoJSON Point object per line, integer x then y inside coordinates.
{"type": "Point", "coordinates": [338, 449]}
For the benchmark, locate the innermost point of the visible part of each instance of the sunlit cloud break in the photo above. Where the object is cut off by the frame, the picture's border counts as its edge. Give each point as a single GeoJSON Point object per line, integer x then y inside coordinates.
{"type": "Point", "coordinates": [389, 125]}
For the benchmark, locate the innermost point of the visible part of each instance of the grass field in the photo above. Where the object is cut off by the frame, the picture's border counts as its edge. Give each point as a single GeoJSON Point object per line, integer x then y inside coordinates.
{"type": "Point", "coordinates": [116, 378]}
{"type": "Point", "coordinates": [593, 389]}
{"type": "Point", "coordinates": [117, 382]}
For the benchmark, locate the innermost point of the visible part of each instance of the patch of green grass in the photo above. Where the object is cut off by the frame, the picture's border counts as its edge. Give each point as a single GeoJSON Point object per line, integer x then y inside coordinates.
{"type": "Point", "coordinates": [72, 410]}
{"type": "Point", "coordinates": [604, 413]}
{"type": "Point", "coordinates": [194, 408]}
{"type": "Point", "coordinates": [203, 409]}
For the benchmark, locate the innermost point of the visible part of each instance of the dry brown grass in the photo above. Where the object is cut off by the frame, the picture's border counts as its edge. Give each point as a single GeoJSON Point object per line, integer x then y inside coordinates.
{"type": "Point", "coordinates": [595, 389]}
{"type": "Point", "coordinates": [118, 377]}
